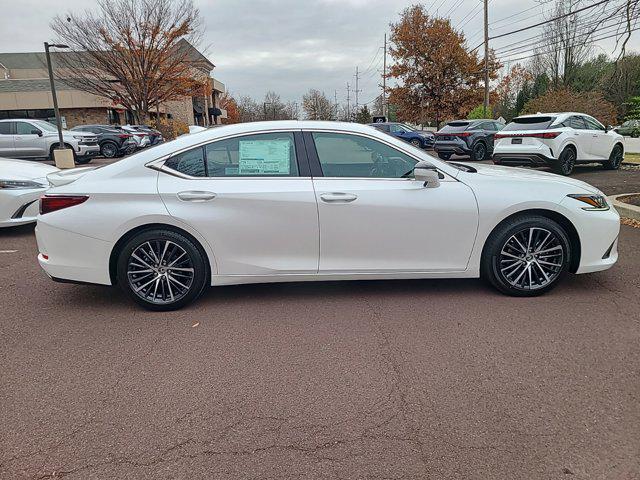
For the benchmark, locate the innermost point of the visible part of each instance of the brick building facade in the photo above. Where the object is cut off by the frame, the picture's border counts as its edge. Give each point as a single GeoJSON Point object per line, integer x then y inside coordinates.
{"type": "Point", "coordinates": [25, 93]}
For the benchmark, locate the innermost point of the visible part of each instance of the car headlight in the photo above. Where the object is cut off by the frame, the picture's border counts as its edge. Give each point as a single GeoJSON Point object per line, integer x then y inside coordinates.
{"type": "Point", "coordinates": [14, 184]}
{"type": "Point", "coordinates": [79, 137]}
{"type": "Point", "coordinates": [595, 202]}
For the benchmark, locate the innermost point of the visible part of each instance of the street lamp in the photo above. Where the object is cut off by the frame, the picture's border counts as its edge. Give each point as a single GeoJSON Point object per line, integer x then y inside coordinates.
{"type": "Point", "coordinates": [63, 157]}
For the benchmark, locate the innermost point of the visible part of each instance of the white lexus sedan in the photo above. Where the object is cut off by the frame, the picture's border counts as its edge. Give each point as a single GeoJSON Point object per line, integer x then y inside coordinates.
{"type": "Point", "coordinates": [300, 201]}
{"type": "Point", "coordinates": [22, 182]}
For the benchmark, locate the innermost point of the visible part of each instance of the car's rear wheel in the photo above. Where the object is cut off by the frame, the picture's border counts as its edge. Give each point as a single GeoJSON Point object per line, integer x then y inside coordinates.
{"type": "Point", "coordinates": [416, 143]}
{"type": "Point", "coordinates": [479, 151]}
{"type": "Point", "coordinates": [83, 160]}
{"type": "Point", "coordinates": [615, 159]}
{"type": "Point", "coordinates": [444, 156]}
{"type": "Point", "coordinates": [566, 162]}
{"type": "Point", "coordinates": [162, 270]}
{"type": "Point", "coordinates": [526, 256]}
{"type": "Point", "coordinates": [109, 150]}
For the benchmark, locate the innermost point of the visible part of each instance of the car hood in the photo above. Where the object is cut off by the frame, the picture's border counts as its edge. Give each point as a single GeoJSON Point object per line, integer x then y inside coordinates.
{"type": "Point", "coordinates": [530, 174]}
{"type": "Point", "coordinates": [11, 169]}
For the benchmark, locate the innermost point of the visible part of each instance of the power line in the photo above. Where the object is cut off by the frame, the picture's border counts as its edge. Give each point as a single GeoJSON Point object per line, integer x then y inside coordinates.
{"type": "Point", "coordinates": [545, 22]}
{"type": "Point", "coordinates": [511, 60]}
{"type": "Point", "coordinates": [545, 41]}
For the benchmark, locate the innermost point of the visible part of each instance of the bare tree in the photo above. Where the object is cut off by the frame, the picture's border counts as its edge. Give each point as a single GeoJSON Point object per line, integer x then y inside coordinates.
{"type": "Point", "coordinates": [317, 106]}
{"type": "Point", "coordinates": [137, 53]}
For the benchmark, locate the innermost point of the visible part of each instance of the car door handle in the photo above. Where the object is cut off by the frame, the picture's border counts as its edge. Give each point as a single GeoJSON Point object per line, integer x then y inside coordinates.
{"type": "Point", "coordinates": [338, 197]}
{"type": "Point", "coordinates": [196, 196]}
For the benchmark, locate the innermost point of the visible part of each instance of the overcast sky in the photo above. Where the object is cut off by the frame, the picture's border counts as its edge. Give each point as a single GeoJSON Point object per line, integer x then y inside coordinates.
{"type": "Point", "coordinates": [290, 46]}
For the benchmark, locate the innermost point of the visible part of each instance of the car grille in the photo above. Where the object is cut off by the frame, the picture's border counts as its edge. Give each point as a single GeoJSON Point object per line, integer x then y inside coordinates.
{"type": "Point", "coordinates": [89, 141]}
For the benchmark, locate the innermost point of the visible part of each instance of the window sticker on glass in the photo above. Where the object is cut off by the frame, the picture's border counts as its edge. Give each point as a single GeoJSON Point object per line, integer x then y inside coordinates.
{"type": "Point", "coordinates": [264, 157]}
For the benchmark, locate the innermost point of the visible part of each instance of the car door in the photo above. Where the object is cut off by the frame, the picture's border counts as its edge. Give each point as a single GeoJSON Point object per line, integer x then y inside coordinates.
{"type": "Point", "coordinates": [601, 141]}
{"type": "Point", "coordinates": [581, 137]}
{"type": "Point", "coordinates": [251, 197]}
{"type": "Point", "coordinates": [374, 217]}
{"type": "Point", "coordinates": [26, 142]}
{"type": "Point", "coordinates": [6, 140]}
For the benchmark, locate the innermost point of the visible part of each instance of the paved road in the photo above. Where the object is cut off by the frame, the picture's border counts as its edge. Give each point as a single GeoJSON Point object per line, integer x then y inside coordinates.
{"type": "Point", "coordinates": [405, 379]}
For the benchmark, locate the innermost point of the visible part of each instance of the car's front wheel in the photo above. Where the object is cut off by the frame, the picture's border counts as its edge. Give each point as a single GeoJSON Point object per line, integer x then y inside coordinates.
{"type": "Point", "coordinates": [526, 256]}
{"type": "Point", "coordinates": [444, 156]}
{"type": "Point", "coordinates": [416, 143]}
{"type": "Point", "coordinates": [162, 269]}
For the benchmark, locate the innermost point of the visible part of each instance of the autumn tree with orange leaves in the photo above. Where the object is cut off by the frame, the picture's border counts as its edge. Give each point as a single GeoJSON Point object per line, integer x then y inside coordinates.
{"type": "Point", "coordinates": [137, 53]}
{"type": "Point", "coordinates": [229, 103]}
{"type": "Point", "coordinates": [437, 77]}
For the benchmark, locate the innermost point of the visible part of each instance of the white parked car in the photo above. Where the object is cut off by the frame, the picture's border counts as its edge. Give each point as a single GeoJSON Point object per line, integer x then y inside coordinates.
{"type": "Point", "coordinates": [300, 201]}
{"type": "Point", "coordinates": [142, 139]}
{"type": "Point", "coordinates": [21, 185]}
{"type": "Point", "coordinates": [558, 140]}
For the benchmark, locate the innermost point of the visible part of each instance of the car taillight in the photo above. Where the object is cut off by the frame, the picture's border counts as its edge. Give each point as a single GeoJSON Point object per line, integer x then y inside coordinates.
{"type": "Point", "coordinates": [141, 134]}
{"type": "Point", "coordinates": [125, 136]}
{"type": "Point", "coordinates": [528, 135]}
{"type": "Point", "coordinates": [51, 203]}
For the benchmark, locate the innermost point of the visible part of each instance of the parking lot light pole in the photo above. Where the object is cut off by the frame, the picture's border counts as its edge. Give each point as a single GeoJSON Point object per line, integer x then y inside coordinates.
{"type": "Point", "coordinates": [62, 159]}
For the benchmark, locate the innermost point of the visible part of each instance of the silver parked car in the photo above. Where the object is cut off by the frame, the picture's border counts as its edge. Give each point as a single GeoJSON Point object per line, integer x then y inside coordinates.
{"type": "Point", "coordinates": [29, 139]}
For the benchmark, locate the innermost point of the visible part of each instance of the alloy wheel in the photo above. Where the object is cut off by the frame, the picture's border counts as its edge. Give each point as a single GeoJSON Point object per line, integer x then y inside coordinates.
{"type": "Point", "coordinates": [415, 143]}
{"type": "Point", "coordinates": [109, 150]}
{"type": "Point", "coordinates": [531, 259]}
{"type": "Point", "coordinates": [616, 157]}
{"type": "Point", "coordinates": [160, 271]}
{"type": "Point", "coordinates": [569, 162]}
{"type": "Point", "coordinates": [479, 151]}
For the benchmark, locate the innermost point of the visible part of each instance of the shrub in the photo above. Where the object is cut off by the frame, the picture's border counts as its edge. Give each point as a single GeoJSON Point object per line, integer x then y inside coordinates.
{"type": "Point", "coordinates": [170, 128]}
{"type": "Point", "coordinates": [565, 100]}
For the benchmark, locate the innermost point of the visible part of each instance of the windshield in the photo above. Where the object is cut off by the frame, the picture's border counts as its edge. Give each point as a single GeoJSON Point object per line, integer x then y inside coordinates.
{"type": "Point", "coordinates": [529, 123]}
{"type": "Point", "coordinates": [45, 125]}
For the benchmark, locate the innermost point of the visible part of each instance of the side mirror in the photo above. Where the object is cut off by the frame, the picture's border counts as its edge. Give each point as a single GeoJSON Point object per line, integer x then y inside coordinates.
{"type": "Point", "coordinates": [609, 127]}
{"type": "Point", "coordinates": [427, 173]}
{"type": "Point", "coordinates": [35, 131]}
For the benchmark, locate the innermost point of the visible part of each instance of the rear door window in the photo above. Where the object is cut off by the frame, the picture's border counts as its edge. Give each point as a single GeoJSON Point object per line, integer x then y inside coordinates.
{"type": "Point", "coordinates": [577, 123]}
{"type": "Point", "coordinates": [189, 163]}
{"type": "Point", "coordinates": [5, 128]}
{"type": "Point", "coordinates": [261, 155]}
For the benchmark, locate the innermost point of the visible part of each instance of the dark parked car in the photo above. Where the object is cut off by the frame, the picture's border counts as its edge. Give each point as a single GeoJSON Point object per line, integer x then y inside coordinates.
{"type": "Point", "coordinates": [155, 137]}
{"type": "Point", "coordinates": [630, 128]}
{"type": "Point", "coordinates": [473, 138]}
{"type": "Point", "coordinates": [113, 141]}
{"type": "Point", "coordinates": [417, 138]}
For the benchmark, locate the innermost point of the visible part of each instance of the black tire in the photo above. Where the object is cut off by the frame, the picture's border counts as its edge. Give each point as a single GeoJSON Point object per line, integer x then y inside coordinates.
{"type": "Point", "coordinates": [566, 162]}
{"type": "Point", "coordinates": [615, 158]}
{"type": "Point", "coordinates": [479, 151]}
{"type": "Point", "coordinates": [83, 160]}
{"type": "Point", "coordinates": [134, 272]}
{"type": "Point", "coordinates": [416, 143]}
{"type": "Point", "coordinates": [635, 134]}
{"type": "Point", "coordinates": [444, 156]}
{"type": "Point", "coordinates": [109, 150]}
{"type": "Point", "coordinates": [501, 270]}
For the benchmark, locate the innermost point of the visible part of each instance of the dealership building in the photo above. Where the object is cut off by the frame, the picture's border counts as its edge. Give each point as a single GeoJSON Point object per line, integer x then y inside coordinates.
{"type": "Point", "coordinates": [25, 93]}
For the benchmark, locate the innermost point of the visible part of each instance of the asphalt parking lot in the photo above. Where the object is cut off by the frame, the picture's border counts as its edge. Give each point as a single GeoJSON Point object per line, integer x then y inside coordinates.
{"type": "Point", "coordinates": [404, 379]}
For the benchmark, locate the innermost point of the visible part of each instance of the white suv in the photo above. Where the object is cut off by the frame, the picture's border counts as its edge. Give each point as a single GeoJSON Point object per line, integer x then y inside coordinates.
{"type": "Point", "coordinates": [558, 140]}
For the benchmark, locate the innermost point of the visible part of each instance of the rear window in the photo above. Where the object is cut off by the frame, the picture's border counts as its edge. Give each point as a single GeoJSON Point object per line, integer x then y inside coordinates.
{"type": "Point", "coordinates": [455, 127]}
{"type": "Point", "coordinates": [529, 123]}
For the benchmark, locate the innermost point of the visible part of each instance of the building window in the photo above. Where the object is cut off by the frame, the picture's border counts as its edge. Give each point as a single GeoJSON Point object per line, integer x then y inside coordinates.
{"type": "Point", "coordinates": [40, 114]}
{"type": "Point", "coordinates": [113, 116]}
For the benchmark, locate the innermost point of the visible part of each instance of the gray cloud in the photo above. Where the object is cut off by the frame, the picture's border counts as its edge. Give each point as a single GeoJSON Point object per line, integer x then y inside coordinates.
{"type": "Point", "coordinates": [287, 46]}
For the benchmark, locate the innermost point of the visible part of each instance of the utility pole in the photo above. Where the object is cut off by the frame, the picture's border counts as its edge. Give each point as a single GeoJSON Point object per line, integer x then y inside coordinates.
{"type": "Point", "coordinates": [348, 102]}
{"type": "Point", "coordinates": [384, 78]}
{"type": "Point", "coordinates": [63, 157]}
{"type": "Point", "coordinates": [486, 57]}
{"type": "Point", "coordinates": [357, 90]}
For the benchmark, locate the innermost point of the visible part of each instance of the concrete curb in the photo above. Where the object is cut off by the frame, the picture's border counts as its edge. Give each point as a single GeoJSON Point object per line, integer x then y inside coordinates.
{"type": "Point", "coordinates": [625, 209]}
